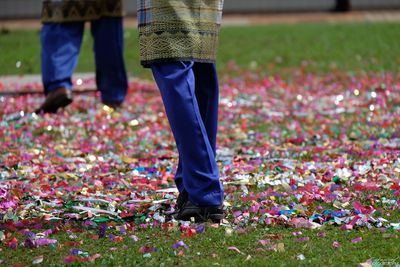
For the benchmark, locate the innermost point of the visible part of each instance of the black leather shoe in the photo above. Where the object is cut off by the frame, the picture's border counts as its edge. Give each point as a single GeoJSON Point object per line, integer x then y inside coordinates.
{"type": "Point", "coordinates": [56, 99]}
{"type": "Point", "coordinates": [181, 200]}
{"type": "Point", "coordinates": [200, 214]}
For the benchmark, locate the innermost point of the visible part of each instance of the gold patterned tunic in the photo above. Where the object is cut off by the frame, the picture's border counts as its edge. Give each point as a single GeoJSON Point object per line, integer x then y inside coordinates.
{"type": "Point", "coordinates": [178, 30]}
{"type": "Point", "coordinates": [80, 10]}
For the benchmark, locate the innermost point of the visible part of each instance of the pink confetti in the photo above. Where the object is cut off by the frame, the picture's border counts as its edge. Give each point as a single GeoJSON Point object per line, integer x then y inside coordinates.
{"type": "Point", "coordinates": [235, 249]}
{"type": "Point", "coordinates": [45, 242]}
{"type": "Point", "coordinates": [264, 242]}
{"type": "Point", "coordinates": [147, 249]}
{"type": "Point", "coordinates": [70, 259]}
{"type": "Point", "coordinates": [356, 240]}
{"type": "Point", "coordinates": [322, 234]}
{"type": "Point", "coordinates": [336, 244]}
{"type": "Point", "coordinates": [347, 227]}
{"type": "Point", "coordinates": [134, 238]}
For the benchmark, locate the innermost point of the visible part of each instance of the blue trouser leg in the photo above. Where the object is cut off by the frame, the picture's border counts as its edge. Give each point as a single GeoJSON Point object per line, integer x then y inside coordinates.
{"type": "Point", "coordinates": [179, 175]}
{"type": "Point", "coordinates": [108, 47]}
{"type": "Point", "coordinates": [207, 95]}
{"type": "Point", "coordinates": [61, 43]}
{"type": "Point", "coordinates": [200, 175]}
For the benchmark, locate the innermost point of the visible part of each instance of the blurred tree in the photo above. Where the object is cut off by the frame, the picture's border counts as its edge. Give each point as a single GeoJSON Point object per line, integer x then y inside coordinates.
{"type": "Point", "coordinates": [343, 5]}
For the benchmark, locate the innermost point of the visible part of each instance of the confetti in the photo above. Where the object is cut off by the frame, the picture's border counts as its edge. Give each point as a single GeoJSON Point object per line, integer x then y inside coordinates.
{"type": "Point", "coordinates": [201, 228]}
{"type": "Point", "coordinates": [368, 263]}
{"type": "Point", "coordinates": [13, 243]}
{"type": "Point", "coordinates": [356, 240]}
{"type": "Point", "coordinates": [37, 259]}
{"type": "Point", "coordinates": [336, 244]}
{"type": "Point", "coordinates": [179, 244]}
{"type": "Point", "coordinates": [235, 249]}
{"type": "Point", "coordinates": [134, 238]}
{"type": "Point", "coordinates": [322, 234]}
{"type": "Point", "coordinates": [296, 152]}
{"type": "Point", "coordinates": [70, 259]}
{"type": "Point", "coordinates": [300, 257]}
{"type": "Point", "coordinates": [147, 250]}
{"type": "Point", "coordinates": [264, 242]}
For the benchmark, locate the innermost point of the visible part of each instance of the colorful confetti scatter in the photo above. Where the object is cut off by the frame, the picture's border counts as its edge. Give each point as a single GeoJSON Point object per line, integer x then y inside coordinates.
{"type": "Point", "coordinates": [304, 153]}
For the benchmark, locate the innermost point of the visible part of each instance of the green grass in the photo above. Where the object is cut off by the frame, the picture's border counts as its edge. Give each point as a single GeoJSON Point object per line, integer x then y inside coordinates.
{"type": "Point", "coordinates": [316, 47]}
{"type": "Point", "coordinates": [211, 248]}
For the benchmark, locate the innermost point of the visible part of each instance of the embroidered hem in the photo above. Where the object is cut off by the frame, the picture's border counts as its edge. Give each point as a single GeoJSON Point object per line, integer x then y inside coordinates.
{"type": "Point", "coordinates": [78, 10]}
{"type": "Point", "coordinates": [177, 30]}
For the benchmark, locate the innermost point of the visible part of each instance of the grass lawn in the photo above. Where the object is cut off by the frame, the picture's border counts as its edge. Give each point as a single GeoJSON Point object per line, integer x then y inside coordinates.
{"type": "Point", "coordinates": [318, 48]}
{"type": "Point", "coordinates": [211, 248]}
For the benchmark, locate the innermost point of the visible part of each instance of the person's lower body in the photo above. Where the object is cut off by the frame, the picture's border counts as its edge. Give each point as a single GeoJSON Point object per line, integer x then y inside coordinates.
{"type": "Point", "coordinates": [190, 95]}
{"type": "Point", "coordinates": [111, 78]}
{"type": "Point", "coordinates": [61, 44]}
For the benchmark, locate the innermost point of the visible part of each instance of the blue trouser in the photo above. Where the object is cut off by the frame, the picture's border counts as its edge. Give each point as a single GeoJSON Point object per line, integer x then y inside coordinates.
{"type": "Point", "coordinates": [190, 95]}
{"type": "Point", "coordinates": [61, 43]}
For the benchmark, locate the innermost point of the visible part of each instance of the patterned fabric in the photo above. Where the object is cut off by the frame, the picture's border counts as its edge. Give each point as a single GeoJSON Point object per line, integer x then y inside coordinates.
{"type": "Point", "coordinates": [178, 30]}
{"type": "Point", "coordinates": [80, 10]}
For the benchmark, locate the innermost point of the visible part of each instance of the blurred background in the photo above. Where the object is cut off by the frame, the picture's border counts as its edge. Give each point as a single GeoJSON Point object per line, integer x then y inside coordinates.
{"type": "Point", "coordinates": [317, 35]}
{"type": "Point", "coordinates": [31, 8]}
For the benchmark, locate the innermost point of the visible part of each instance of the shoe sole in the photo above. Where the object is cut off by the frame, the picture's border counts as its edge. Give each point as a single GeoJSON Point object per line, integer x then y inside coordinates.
{"type": "Point", "coordinates": [213, 217]}
{"type": "Point", "coordinates": [216, 218]}
{"type": "Point", "coordinates": [62, 103]}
